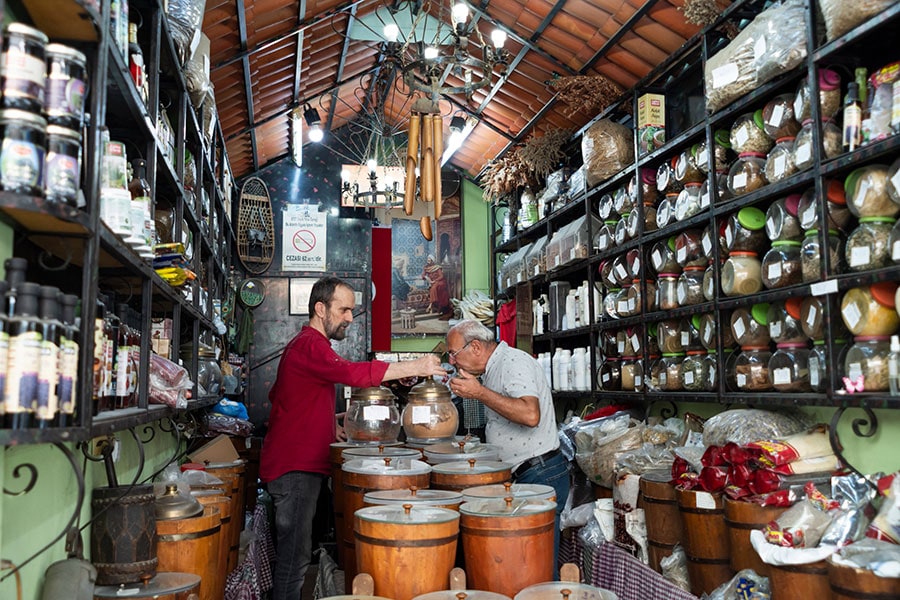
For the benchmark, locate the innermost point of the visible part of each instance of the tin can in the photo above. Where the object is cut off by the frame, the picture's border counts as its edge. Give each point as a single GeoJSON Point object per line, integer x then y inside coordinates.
{"type": "Point", "coordinates": [62, 165]}
{"type": "Point", "coordinates": [65, 87]}
{"type": "Point", "coordinates": [22, 68]}
{"type": "Point", "coordinates": [22, 151]}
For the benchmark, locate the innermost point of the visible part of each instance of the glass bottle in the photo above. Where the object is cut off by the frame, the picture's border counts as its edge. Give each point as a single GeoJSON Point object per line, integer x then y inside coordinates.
{"type": "Point", "coordinates": [24, 358]}
{"type": "Point", "coordinates": [99, 348]}
{"type": "Point", "coordinates": [68, 362]}
{"type": "Point", "coordinates": [125, 373]}
{"type": "Point", "coordinates": [4, 341]}
{"type": "Point", "coordinates": [15, 276]}
{"type": "Point", "coordinates": [110, 354]}
{"type": "Point", "coordinates": [852, 118]}
{"type": "Point", "coordinates": [139, 188]}
{"type": "Point", "coordinates": [136, 64]}
{"type": "Point", "coordinates": [47, 408]}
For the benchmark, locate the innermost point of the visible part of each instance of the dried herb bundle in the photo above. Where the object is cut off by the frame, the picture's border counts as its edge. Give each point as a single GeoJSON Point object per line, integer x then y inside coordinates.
{"type": "Point", "coordinates": [503, 175]}
{"type": "Point", "coordinates": [701, 12]}
{"type": "Point", "coordinates": [586, 93]}
{"type": "Point", "coordinates": [542, 153]}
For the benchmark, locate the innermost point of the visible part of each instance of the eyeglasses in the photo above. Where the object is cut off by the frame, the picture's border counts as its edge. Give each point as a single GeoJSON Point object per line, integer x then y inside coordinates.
{"type": "Point", "coordinates": [452, 355]}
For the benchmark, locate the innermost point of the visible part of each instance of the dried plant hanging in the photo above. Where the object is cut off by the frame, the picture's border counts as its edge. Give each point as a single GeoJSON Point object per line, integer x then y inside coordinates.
{"type": "Point", "coordinates": [586, 93]}
{"type": "Point", "coordinates": [543, 153]}
{"type": "Point", "coordinates": [701, 12]}
{"type": "Point", "coordinates": [504, 175]}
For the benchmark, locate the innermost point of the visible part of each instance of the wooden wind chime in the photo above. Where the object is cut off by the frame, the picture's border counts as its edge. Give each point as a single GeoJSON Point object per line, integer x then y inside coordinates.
{"type": "Point", "coordinates": [424, 150]}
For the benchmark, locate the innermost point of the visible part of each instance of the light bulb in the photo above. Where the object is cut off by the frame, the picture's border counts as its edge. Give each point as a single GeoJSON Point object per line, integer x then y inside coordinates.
{"type": "Point", "coordinates": [316, 134]}
{"type": "Point", "coordinates": [391, 32]}
{"type": "Point", "coordinates": [430, 53]}
{"type": "Point", "coordinates": [371, 164]}
{"type": "Point", "coordinates": [459, 13]}
{"type": "Point", "coordinates": [498, 37]}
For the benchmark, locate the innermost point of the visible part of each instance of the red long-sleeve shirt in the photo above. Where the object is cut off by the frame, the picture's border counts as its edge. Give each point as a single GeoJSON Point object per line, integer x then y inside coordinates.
{"type": "Point", "coordinates": [301, 422]}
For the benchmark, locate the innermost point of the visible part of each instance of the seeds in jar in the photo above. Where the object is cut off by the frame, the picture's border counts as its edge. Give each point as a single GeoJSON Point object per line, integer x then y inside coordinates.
{"type": "Point", "coordinates": [747, 134]}
{"type": "Point", "coordinates": [868, 246]}
{"type": "Point", "coordinates": [780, 160]}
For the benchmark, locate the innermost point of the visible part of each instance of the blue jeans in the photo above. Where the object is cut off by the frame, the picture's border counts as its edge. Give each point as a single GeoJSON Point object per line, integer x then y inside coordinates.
{"type": "Point", "coordinates": [555, 473]}
{"type": "Point", "coordinates": [295, 496]}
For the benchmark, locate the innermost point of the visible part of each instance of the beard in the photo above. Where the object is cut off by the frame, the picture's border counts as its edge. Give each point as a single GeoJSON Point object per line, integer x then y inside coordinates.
{"type": "Point", "coordinates": [335, 331]}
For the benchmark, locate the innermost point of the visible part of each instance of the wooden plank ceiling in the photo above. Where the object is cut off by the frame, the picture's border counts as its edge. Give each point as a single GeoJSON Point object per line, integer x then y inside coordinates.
{"type": "Point", "coordinates": [270, 56]}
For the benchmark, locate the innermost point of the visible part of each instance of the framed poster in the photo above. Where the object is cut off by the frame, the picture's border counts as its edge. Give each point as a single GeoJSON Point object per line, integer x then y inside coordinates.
{"type": "Point", "coordinates": [298, 295]}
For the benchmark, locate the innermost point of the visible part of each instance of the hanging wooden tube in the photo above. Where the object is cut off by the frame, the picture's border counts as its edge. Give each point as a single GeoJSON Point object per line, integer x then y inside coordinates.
{"type": "Point", "coordinates": [412, 155]}
{"type": "Point", "coordinates": [426, 165]}
{"type": "Point", "coordinates": [438, 151]}
{"type": "Point", "coordinates": [425, 227]}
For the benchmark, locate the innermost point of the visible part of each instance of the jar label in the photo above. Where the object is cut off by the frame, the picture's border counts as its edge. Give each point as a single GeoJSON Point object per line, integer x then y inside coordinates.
{"type": "Point", "coordinates": [729, 236]}
{"type": "Point", "coordinates": [685, 338]}
{"type": "Point", "coordinates": [632, 304]}
{"type": "Point", "coordinates": [895, 251]}
{"type": "Point", "coordinates": [811, 316]}
{"type": "Point", "coordinates": [636, 343]}
{"type": "Point", "coordinates": [780, 164]}
{"type": "Point", "coordinates": [739, 181]}
{"type": "Point", "coordinates": [705, 500]}
{"type": "Point", "coordinates": [741, 380]}
{"type": "Point", "coordinates": [852, 316]}
{"type": "Point", "coordinates": [662, 378]}
{"type": "Point", "coordinates": [774, 271]}
{"type": "Point", "coordinates": [702, 157]}
{"type": "Point", "coordinates": [738, 329]}
{"type": "Point", "coordinates": [65, 97]}
{"type": "Point", "coordinates": [707, 245]}
{"type": "Point", "coordinates": [704, 199]}
{"type": "Point", "coordinates": [759, 48]}
{"type": "Point", "coordinates": [620, 346]}
{"type": "Point", "coordinates": [24, 75]}
{"type": "Point", "coordinates": [892, 368]}
{"type": "Point", "coordinates": [775, 329]}
{"type": "Point", "coordinates": [68, 375]}
{"type": "Point", "coordinates": [48, 374]}
{"type": "Point", "coordinates": [712, 376]}
{"type": "Point", "coordinates": [636, 267]}
{"type": "Point", "coordinates": [803, 154]}
{"type": "Point", "coordinates": [537, 269]}
{"type": "Point", "coordinates": [776, 116]}
{"type": "Point", "coordinates": [859, 256]}
{"type": "Point", "coordinates": [21, 379]}
{"type": "Point", "coordinates": [61, 176]}
{"type": "Point", "coordinates": [556, 260]}
{"type": "Point", "coordinates": [376, 413]}
{"type": "Point", "coordinates": [681, 255]}
{"type": "Point", "coordinates": [895, 181]}
{"type": "Point", "coordinates": [854, 371]}
{"type": "Point", "coordinates": [859, 199]}
{"type": "Point", "coordinates": [657, 257]}
{"type": "Point", "coordinates": [781, 376]}
{"type": "Point", "coordinates": [21, 163]}
{"type": "Point", "coordinates": [637, 382]}
{"type": "Point", "coordinates": [421, 414]}
{"type": "Point", "coordinates": [724, 75]}
{"type": "Point", "coordinates": [621, 271]}
{"type": "Point", "coordinates": [814, 375]}
{"type": "Point", "coordinates": [688, 377]}
{"type": "Point", "coordinates": [622, 306]}
{"type": "Point", "coordinates": [604, 378]}
{"type": "Point", "coordinates": [572, 254]}
{"type": "Point", "coordinates": [742, 136]}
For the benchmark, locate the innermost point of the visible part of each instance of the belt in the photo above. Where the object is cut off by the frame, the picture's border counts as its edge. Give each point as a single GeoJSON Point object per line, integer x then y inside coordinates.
{"type": "Point", "coordinates": [533, 462]}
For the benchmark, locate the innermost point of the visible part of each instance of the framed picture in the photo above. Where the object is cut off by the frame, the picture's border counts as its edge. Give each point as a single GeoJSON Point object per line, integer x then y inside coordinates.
{"type": "Point", "coordinates": [298, 295]}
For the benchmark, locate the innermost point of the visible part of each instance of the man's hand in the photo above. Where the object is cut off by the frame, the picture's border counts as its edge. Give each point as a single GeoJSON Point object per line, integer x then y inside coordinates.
{"type": "Point", "coordinates": [339, 433]}
{"type": "Point", "coordinates": [466, 385]}
{"type": "Point", "coordinates": [430, 365]}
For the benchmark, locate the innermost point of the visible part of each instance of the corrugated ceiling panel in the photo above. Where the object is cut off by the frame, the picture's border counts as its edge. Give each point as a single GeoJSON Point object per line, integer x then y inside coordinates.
{"type": "Point", "coordinates": [272, 140]}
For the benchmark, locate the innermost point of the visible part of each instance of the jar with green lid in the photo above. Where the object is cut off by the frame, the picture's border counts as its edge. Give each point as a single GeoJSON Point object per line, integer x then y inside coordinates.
{"type": "Point", "coordinates": [721, 146]}
{"type": "Point", "coordinates": [750, 325]}
{"type": "Point", "coordinates": [668, 334]}
{"type": "Point", "coordinates": [781, 219]}
{"type": "Point", "coordinates": [603, 239]}
{"type": "Point", "coordinates": [789, 368]}
{"type": "Point", "coordinates": [694, 371]}
{"type": "Point", "coordinates": [745, 230]}
{"type": "Point", "coordinates": [669, 377]}
{"type": "Point", "coordinates": [741, 274]}
{"type": "Point", "coordinates": [690, 286]}
{"type": "Point", "coordinates": [747, 173]}
{"type": "Point", "coordinates": [609, 375]}
{"type": "Point", "coordinates": [866, 189]}
{"type": "Point", "coordinates": [620, 234]}
{"type": "Point", "coordinates": [866, 363]}
{"type": "Point", "coordinates": [611, 302]}
{"type": "Point", "coordinates": [780, 160]}
{"type": "Point", "coordinates": [662, 257]}
{"type": "Point", "coordinates": [711, 368]}
{"type": "Point", "coordinates": [811, 255]}
{"type": "Point", "coordinates": [820, 363]}
{"type": "Point", "coordinates": [606, 208]}
{"type": "Point", "coordinates": [689, 249]}
{"type": "Point", "coordinates": [686, 170]}
{"type": "Point", "coordinates": [627, 372]}
{"type": "Point", "coordinates": [751, 369]}
{"type": "Point", "coordinates": [622, 201]}
{"type": "Point", "coordinates": [785, 324]}
{"type": "Point", "coordinates": [778, 117]}
{"type": "Point", "coordinates": [708, 329]}
{"type": "Point", "coordinates": [666, 182]}
{"type": "Point", "coordinates": [667, 291]}
{"type": "Point", "coordinates": [748, 134]}
{"type": "Point", "coordinates": [838, 213]}
{"type": "Point", "coordinates": [829, 96]}
{"type": "Point", "coordinates": [665, 212]}
{"type": "Point", "coordinates": [720, 181]}
{"type": "Point", "coordinates": [781, 265]}
{"type": "Point", "coordinates": [871, 310]}
{"type": "Point", "coordinates": [869, 245]}
{"type": "Point", "coordinates": [687, 204]}
{"type": "Point", "coordinates": [709, 281]}
{"type": "Point", "coordinates": [689, 328]}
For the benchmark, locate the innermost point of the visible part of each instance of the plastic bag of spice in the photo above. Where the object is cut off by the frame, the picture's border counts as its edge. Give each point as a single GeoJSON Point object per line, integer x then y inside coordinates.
{"type": "Point", "coordinates": [800, 526]}
{"type": "Point", "coordinates": [606, 148]}
{"type": "Point", "coordinates": [886, 524]}
{"type": "Point", "coordinates": [841, 16]}
{"type": "Point", "coordinates": [743, 426]}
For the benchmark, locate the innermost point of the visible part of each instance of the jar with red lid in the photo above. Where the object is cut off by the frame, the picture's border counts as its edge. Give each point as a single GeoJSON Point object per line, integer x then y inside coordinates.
{"type": "Point", "coordinates": [609, 375]}
{"type": "Point", "coordinates": [665, 212]}
{"type": "Point", "coordinates": [780, 160]}
{"type": "Point", "coordinates": [687, 204]}
{"type": "Point", "coordinates": [686, 170]}
{"type": "Point", "coordinates": [745, 230]}
{"type": "Point", "coordinates": [607, 277]}
{"type": "Point", "coordinates": [785, 324]}
{"type": "Point", "coordinates": [649, 193]}
{"type": "Point", "coordinates": [665, 178]}
{"type": "Point", "coordinates": [829, 96]}
{"type": "Point", "coordinates": [781, 265]}
{"type": "Point", "coordinates": [778, 117]}
{"type": "Point", "coordinates": [689, 249]}
{"type": "Point", "coordinates": [748, 134]}
{"type": "Point", "coordinates": [838, 213]}
{"type": "Point", "coordinates": [871, 310]}
{"type": "Point", "coordinates": [781, 219]}
{"type": "Point", "coordinates": [867, 364]}
{"type": "Point", "coordinates": [789, 368]}
{"type": "Point", "coordinates": [741, 274]}
{"type": "Point", "coordinates": [751, 369]}
{"type": "Point", "coordinates": [750, 325]}
{"type": "Point", "coordinates": [662, 257]}
{"type": "Point", "coordinates": [719, 180]}
{"type": "Point", "coordinates": [868, 246]}
{"type": "Point", "coordinates": [694, 371]}
{"type": "Point", "coordinates": [667, 291]}
{"type": "Point", "coordinates": [690, 286]}
{"type": "Point", "coordinates": [747, 173]}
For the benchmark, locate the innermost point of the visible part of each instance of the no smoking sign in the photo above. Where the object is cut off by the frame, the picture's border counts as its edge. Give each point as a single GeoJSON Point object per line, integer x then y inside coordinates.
{"type": "Point", "coordinates": [304, 240]}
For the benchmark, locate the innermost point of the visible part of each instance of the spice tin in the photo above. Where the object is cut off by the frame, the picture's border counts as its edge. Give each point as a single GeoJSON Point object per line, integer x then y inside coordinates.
{"type": "Point", "coordinates": [21, 151]}
{"type": "Point", "coordinates": [62, 165]}
{"type": "Point", "coordinates": [22, 68]}
{"type": "Point", "coordinates": [65, 87]}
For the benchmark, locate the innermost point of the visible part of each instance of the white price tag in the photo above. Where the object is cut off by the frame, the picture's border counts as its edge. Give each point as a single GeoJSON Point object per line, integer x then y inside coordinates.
{"type": "Point", "coordinates": [780, 164]}
{"type": "Point", "coordinates": [892, 368]}
{"type": "Point", "coordinates": [421, 414]}
{"type": "Point", "coordinates": [729, 236]}
{"type": "Point", "coordinates": [688, 377]}
{"type": "Point", "coordinates": [662, 378]}
{"type": "Point", "coordinates": [658, 257]}
{"type": "Point", "coordinates": [781, 376]}
{"type": "Point", "coordinates": [712, 374]}
{"type": "Point", "coordinates": [681, 254]}
{"type": "Point", "coordinates": [759, 48]}
{"type": "Point", "coordinates": [854, 371]}
{"type": "Point", "coordinates": [537, 269]}
{"type": "Point", "coordinates": [811, 316]}
{"type": "Point", "coordinates": [376, 413]}
{"type": "Point", "coordinates": [895, 181]}
{"type": "Point", "coordinates": [636, 343]}
{"type": "Point", "coordinates": [685, 338]}
{"type": "Point", "coordinates": [852, 316]}
{"type": "Point", "coordinates": [572, 254]}
{"type": "Point", "coordinates": [632, 304]}
{"type": "Point", "coordinates": [741, 380]}
{"type": "Point", "coordinates": [895, 251]}
{"type": "Point", "coordinates": [621, 346]}
{"type": "Point", "coordinates": [702, 157]}
{"type": "Point", "coordinates": [636, 267]}
{"type": "Point", "coordinates": [859, 199]}
{"type": "Point", "coordinates": [775, 329]}
{"type": "Point", "coordinates": [802, 155]}
{"type": "Point", "coordinates": [821, 288]}
{"type": "Point", "coordinates": [738, 329]}
{"type": "Point", "coordinates": [741, 136]}
{"type": "Point", "coordinates": [809, 215]}
{"type": "Point", "coordinates": [814, 371]}
{"type": "Point", "coordinates": [638, 380]}
{"type": "Point", "coordinates": [774, 271]}
{"type": "Point", "coordinates": [604, 378]}
{"type": "Point", "coordinates": [622, 306]}
{"type": "Point", "coordinates": [776, 116]}
{"type": "Point", "coordinates": [704, 199]}
{"type": "Point", "coordinates": [707, 245]}
{"type": "Point", "coordinates": [705, 500]}
{"type": "Point", "coordinates": [519, 277]}
{"type": "Point", "coordinates": [724, 75]}
{"type": "Point", "coordinates": [859, 256]}
{"type": "Point", "coordinates": [621, 271]}
{"type": "Point", "coordinates": [739, 181]}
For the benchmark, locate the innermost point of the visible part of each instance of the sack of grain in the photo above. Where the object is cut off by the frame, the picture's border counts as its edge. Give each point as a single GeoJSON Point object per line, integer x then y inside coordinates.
{"type": "Point", "coordinates": [606, 148]}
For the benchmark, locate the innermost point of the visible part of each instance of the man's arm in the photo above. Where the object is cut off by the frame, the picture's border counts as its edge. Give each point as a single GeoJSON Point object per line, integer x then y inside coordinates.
{"type": "Point", "coordinates": [426, 366]}
{"type": "Point", "coordinates": [524, 410]}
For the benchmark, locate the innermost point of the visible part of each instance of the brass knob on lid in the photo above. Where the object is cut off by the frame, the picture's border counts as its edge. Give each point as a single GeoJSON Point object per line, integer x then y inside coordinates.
{"type": "Point", "coordinates": [407, 508]}
{"type": "Point", "coordinates": [471, 463]}
{"type": "Point", "coordinates": [462, 446]}
{"type": "Point", "coordinates": [507, 485]}
{"type": "Point", "coordinates": [462, 595]}
{"type": "Point", "coordinates": [565, 593]}
{"type": "Point", "coordinates": [387, 461]}
{"type": "Point", "coordinates": [509, 501]}
{"type": "Point", "coordinates": [413, 489]}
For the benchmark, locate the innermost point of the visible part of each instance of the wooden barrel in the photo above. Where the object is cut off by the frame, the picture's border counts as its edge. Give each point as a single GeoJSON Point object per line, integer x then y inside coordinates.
{"type": "Point", "coordinates": [741, 518]}
{"type": "Point", "coordinates": [507, 543]}
{"type": "Point", "coordinates": [789, 582]}
{"type": "Point", "coordinates": [705, 539]}
{"type": "Point", "coordinates": [849, 582]}
{"type": "Point", "coordinates": [407, 550]}
{"type": "Point", "coordinates": [223, 503]}
{"type": "Point", "coordinates": [123, 534]}
{"type": "Point", "coordinates": [458, 475]}
{"type": "Point", "coordinates": [192, 545]}
{"type": "Point", "coordinates": [367, 475]}
{"type": "Point", "coordinates": [336, 458]}
{"type": "Point", "coordinates": [233, 472]}
{"type": "Point", "coordinates": [164, 586]}
{"type": "Point", "coordinates": [661, 512]}
{"type": "Point", "coordinates": [522, 491]}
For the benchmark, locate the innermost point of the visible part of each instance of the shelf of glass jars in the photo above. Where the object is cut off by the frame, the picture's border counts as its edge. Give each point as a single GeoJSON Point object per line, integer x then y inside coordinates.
{"type": "Point", "coordinates": [699, 220]}
{"type": "Point", "coordinates": [888, 146]}
{"type": "Point", "coordinates": [770, 191]}
{"type": "Point", "coordinates": [619, 179]}
{"type": "Point", "coordinates": [861, 34]}
{"type": "Point", "coordinates": [801, 290]}
{"type": "Point", "coordinates": [758, 97]}
{"type": "Point", "coordinates": [15, 437]}
{"type": "Point", "coordinates": [618, 323]}
{"type": "Point", "coordinates": [38, 215]}
{"type": "Point", "coordinates": [65, 19]}
{"type": "Point", "coordinates": [571, 209]}
{"type": "Point", "coordinates": [681, 311]}
{"type": "Point", "coordinates": [672, 146]}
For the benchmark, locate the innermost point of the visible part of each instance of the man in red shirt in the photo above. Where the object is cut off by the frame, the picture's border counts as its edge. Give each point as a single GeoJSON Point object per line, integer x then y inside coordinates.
{"type": "Point", "coordinates": [302, 423]}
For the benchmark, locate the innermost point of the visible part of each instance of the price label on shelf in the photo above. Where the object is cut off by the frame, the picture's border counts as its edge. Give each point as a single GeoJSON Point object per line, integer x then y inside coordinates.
{"type": "Point", "coordinates": [822, 288]}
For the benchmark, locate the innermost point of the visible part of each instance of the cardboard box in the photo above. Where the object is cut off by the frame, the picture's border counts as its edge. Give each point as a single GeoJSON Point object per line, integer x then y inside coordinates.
{"type": "Point", "coordinates": [218, 450]}
{"type": "Point", "coordinates": [651, 122]}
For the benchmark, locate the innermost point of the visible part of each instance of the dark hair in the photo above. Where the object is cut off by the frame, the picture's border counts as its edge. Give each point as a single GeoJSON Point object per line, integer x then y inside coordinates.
{"type": "Point", "coordinates": [323, 291]}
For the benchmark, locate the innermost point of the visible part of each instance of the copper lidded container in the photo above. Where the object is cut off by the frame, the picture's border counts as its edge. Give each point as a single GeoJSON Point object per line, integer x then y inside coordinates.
{"type": "Point", "coordinates": [372, 417]}
{"type": "Point", "coordinates": [430, 415]}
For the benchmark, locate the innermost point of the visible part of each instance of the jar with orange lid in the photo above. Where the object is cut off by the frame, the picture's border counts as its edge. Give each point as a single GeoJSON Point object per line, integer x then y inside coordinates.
{"type": "Point", "coordinates": [867, 192]}
{"type": "Point", "coordinates": [741, 274]}
{"type": "Point", "coordinates": [869, 245]}
{"type": "Point", "coordinates": [665, 212]}
{"type": "Point", "coordinates": [666, 182]}
{"type": "Point", "coordinates": [747, 173]}
{"type": "Point", "coordinates": [750, 325]}
{"type": "Point", "coordinates": [690, 286]}
{"type": "Point", "coordinates": [689, 249]}
{"type": "Point", "coordinates": [789, 368]}
{"type": "Point", "coordinates": [871, 310]}
{"type": "Point", "coordinates": [867, 364]}
{"type": "Point", "coordinates": [694, 371]}
{"type": "Point", "coordinates": [838, 213]}
{"type": "Point", "coordinates": [662, 257]}
{"type": "Point", "coordinates": [785, 325]}
{"type": "Point", "coordinates": [745, 230]}
{"type": "Point", "coordinates": [780, 160]}
{"type": "Point", "coordinates": [687, 204]}
{"type": "Point", "coordinates": [686, 170]}
{"type": "Point", "coordinates": [781, 219]}
{"type": "Point", "coordinates": [781, 265]}
{"type": "Point", "coordinates": [751, 369]}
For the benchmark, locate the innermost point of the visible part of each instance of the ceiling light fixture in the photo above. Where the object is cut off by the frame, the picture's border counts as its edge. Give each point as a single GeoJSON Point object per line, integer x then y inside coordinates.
{"type": "Point", "coordinates": [314, 122]}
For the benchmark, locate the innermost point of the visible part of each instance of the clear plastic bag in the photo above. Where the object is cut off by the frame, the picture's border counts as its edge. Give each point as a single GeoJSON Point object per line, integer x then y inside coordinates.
{"type": "Point", "coordinates": [185, 18]}
{"type": "Point", "coordinates": [674, 568]}
{"type": "Point", "coordinates": [772, 44]}
{"type": "Point", "coordinates": [217, 423]}
{"type": "Point", "coordinates": [597, 452]}
{"type": "Point", "coordinates": [747, 584]}
{"type": "Point", "coordinates": [841, 16]}
{"type": "Point", "coordinates": [606, 147]}
{"type": "Point", "coordinates": [169, 382]}
{"type": "Point", "coordinates": [743, 426]}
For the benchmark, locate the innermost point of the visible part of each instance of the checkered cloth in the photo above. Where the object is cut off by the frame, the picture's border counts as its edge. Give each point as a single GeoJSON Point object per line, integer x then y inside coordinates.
{"type": "Point", "coordinates": [616, 570]}
{"type": "Point", "coordinates": [252, 579]}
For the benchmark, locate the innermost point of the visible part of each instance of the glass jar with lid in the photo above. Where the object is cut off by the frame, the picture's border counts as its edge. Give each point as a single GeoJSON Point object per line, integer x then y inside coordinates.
{"type": "Point", "coordinates": [372, 417]}
{"type": "Point", "coordinates": [867, 194]}
{"type": "Point", "coordinates": [694, 371]}
{"type": "Point", "coordinates": [607, 343]}
{"type": "Point", "coordinates": [720, 180]}
{"type": "Point", "coordinates": [745, 230]}
{"type": "Point", "coordinates": [649, 193]}
{"type": "Point", "coordinates": [634, 297]}
{"type": "Point", "coordinates": [894, 242]}
{"type": "Point", "coordinates": [789, 368]}
{"type": "Point", "coordinates": [750, 325]}
{"type": "Point", "coordinates": [748, 135]}
{"type": "Point", "coordinates": [708, 329]}
{"type": "Point", "coordinates": [709, 281]}
{"type": "Point", "coordinates": [611, 302]}
{"type": "Point", "coordinates": [747, 173]}
{"type": "Point", "coordinates": [687, 204]}
{"type": "Point", "coordinates": [607, 277]}
{"type": "Point", "coordinates": [686, 170]}
{"type": "Point", "coordinates": [633, 224]}
{"type": "Point", "coordinates": [709, 238]}
{"type": "Point", "coordinates": [778, 117]}
{"type": "Point", "coordinates": [689, 249]}
{"type": "Point", "coordinates": [838, 213]}
{"type": "Point", "coordinates": [609, 375]}
{"type": "Point", "coordinates": [652, 340]}
{"type": "Point", "coordinates": [627, 372]}
{"type": "Point", "coordinates": [621, 271]}
{"type": "Point", "coordinates": [668, 334]}
{"type": "Point", "coordinates": [606, 208]}
{"type": "Point", "coordinates": [622, 201]}
{"type": "Point", "coordinates": [780, 160]}
{"type": "Point", "coordinates": [871, 310]}
{"type": "Point", "coordinates": [633, 262]}
{"type": "Point", "coordinates": [721, 146]}
{"type": "Point", "coordinates": [690, 333]}
{"type": "Point", "coordinates": [781, 219]}
{"type": "Point", "coordinates": [866, 363]}
{"type": "Point", "coordinates": [868, 246]}
{"type": "Point", "coordinates": [781, 265]}
{"type": "Point", "coordinates": [639, 374]}
{"type": "Point", "coordinates": [741, 274]}
{"type": "Point", "coordinates": [666, 182]}
{"type": "Point", "coordinates": [812, 318]}
{"type": "Point", "coordinates": [620, 235]}
{"type": "Point", "coordinates": [819, 363]}
{"type": "Point", "coordinates": [751, 369]}
{"type": "Point", "coordinates": [711, 368]}
{"type": "Point", "coordinates": [649, 212]}
{"type": "Point", "coordinates": [690, 286]}
{"type": "Point", "coordinates": [811, 255]}
{"type": "Point", "coordinates": [667, 291]}
{"type": "Point", "coordinates": [429, 415]}
{"type": "Point", "coordinates": [603, 239]}
{"type": "Point", "coordinates": [665, 212]}
{"type": "Point", "coordinates": [623, 307]}
{"type": "Point", "coordinates": [832, 143]}
{"type": "Point", "coordinates": [662, 257]}
{"type": "Point", "coordinates": [829, 96]}
{"type": "Point", "coordinates": [669, 373]}
{"type": "Point", "coordinates": [785, 325]}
